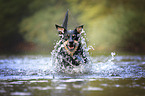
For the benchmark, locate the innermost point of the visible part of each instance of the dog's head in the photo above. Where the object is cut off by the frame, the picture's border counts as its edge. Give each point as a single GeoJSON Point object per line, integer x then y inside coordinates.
{"type": "Point", "coordinates": [70, 38]}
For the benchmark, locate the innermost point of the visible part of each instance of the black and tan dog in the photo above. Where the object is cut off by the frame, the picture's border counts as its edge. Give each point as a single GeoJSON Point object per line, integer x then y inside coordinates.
{"type": "Point", "coordinates": [69, 48]}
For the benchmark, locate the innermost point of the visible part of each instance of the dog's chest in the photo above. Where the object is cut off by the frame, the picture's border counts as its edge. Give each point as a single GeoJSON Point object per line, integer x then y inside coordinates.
{"type": "Point", "coordinates": [66, 58]}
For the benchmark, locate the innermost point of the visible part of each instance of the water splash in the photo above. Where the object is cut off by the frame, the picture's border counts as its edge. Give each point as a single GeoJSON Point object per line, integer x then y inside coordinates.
{"type": "Point", "coordinates": [72, 68]}
{"type": "Point", "coordinates": [105, 66]}
{"type": "Point", "coordinates": [37, 67]}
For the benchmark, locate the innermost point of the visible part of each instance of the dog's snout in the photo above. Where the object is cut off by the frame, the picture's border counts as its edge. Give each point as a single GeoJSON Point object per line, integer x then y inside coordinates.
{"type": "Point", "coordinates": [71, 41]}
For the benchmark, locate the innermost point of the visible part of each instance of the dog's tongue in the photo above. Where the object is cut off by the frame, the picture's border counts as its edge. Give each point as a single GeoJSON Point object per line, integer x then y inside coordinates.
{"type": "Point", "coordinates": [71, 47]}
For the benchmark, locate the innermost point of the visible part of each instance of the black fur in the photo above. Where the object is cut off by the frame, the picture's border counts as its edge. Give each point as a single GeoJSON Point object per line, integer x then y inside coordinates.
{"type": "Point", "coordinates": [69, 49]}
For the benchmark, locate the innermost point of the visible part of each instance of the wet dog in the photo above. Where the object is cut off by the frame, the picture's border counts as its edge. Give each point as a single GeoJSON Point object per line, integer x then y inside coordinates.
{"type": "Point", "coordinates": [69, 50]}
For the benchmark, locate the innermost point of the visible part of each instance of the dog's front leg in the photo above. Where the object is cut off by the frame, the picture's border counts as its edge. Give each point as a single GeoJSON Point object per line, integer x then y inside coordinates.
{"type": "Point", "coordinates": [78, 59]}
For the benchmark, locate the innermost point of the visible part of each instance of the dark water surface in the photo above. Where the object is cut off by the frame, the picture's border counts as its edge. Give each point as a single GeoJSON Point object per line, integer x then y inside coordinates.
{"type": "Point", "coordinates": [35, 75]}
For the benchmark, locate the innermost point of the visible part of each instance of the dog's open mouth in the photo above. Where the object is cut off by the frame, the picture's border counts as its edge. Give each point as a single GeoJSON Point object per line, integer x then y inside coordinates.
{"type": "Point", "coordinates": [71, 47]}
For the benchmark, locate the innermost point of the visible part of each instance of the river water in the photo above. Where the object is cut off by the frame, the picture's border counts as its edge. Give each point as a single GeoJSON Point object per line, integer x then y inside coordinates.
{"type": "Point", "coordinates": [35, 75]}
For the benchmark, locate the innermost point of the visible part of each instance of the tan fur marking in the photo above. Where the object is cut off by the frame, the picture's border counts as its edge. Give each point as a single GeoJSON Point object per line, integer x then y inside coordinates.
{"type": "Point", "coordinates": [61, 29]}
{"type": "Point", "coordinates": [69, 52]}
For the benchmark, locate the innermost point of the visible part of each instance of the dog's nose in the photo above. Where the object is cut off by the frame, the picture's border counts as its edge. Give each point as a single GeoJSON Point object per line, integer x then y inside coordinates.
{"type": "Point", "coordinates": [71, 41]}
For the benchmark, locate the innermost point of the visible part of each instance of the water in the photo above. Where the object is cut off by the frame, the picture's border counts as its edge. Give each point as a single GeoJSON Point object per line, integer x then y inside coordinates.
{"type": "Point", "coordinates": [35, 75]}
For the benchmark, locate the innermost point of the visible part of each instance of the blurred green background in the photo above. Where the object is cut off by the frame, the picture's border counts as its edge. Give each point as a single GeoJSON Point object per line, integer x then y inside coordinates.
{"type": "Point", "coordinates": [111, 25]}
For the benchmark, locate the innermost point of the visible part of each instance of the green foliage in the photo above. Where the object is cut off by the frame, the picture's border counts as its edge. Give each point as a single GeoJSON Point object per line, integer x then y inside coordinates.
{"type": "Point", "coordinates": [110, 24]}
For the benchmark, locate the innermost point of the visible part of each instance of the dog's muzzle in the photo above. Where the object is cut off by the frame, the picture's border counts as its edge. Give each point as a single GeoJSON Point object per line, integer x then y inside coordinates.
{"type": "Point", "coordinates": [71, 48]}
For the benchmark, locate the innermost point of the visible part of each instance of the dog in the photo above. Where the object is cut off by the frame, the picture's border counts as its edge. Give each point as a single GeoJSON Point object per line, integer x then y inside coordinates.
{"type": "Point", "coordinates": [69, 49]}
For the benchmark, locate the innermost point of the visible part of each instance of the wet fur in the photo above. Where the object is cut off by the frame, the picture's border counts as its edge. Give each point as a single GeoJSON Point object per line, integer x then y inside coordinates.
{"type": "Point", "coordinates": [69, 48]}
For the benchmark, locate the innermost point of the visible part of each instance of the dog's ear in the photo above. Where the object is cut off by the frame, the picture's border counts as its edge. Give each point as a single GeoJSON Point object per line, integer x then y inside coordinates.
{"type": "Point", "coordinates": [60, 29]}
{"type": "Point", "coordinates": [79, 28]}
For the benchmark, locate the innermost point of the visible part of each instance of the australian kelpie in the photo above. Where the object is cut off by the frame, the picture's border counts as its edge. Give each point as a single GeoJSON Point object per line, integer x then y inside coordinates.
{"type": "Point", "coordinates": [69, 48]}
